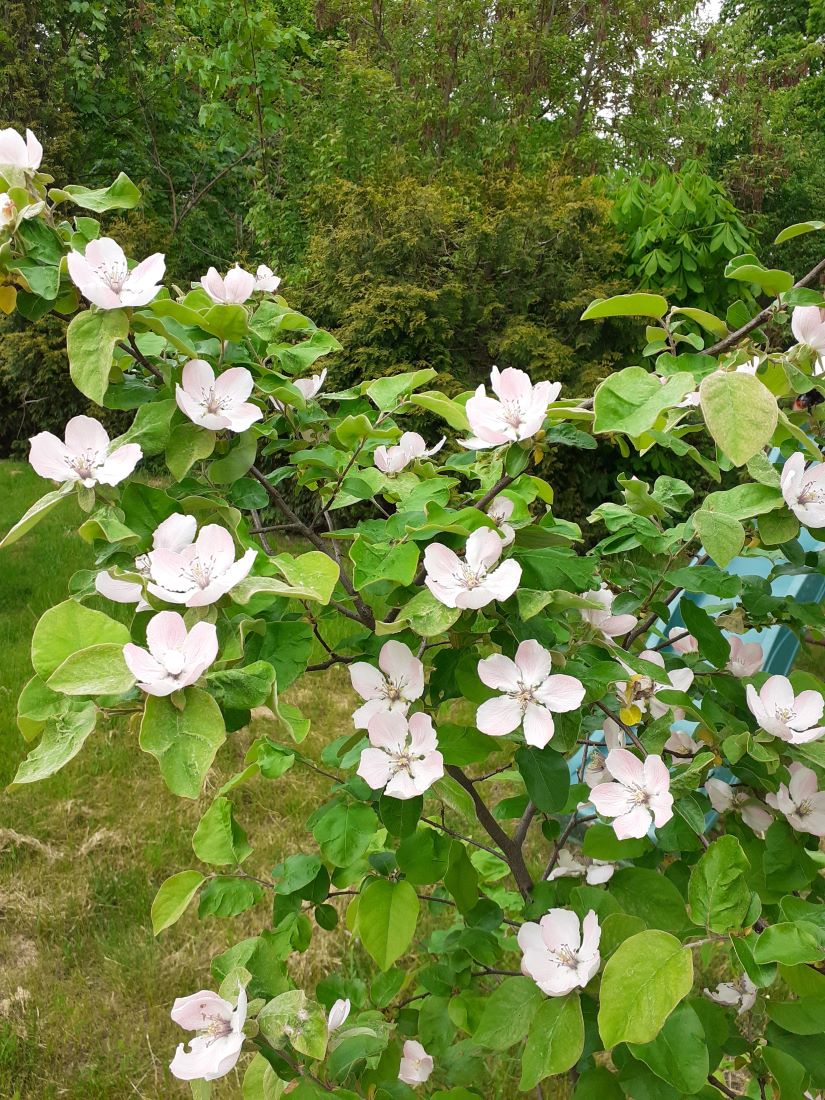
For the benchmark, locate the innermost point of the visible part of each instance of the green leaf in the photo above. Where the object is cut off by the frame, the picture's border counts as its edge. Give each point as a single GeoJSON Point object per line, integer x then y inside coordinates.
{"type": "Point", "coordinates": [173, 898]}
{"type": "Point", "coordinates": [426, 615]}
{"type": "Point", "coordinates": [555, 1042]}
{"type": "Point", "coordinates": [387, 392]}
{"type": "Point", "coordinates": [598, 1084]}
{"type": "Point", "coordinates": [722, 536]}
{"type": "Point", "coordinates": [797, 229]}
{"type": "Point", "coordinates": [679, 1053]}
{"type": "Point", "coordinates": [627, 305]}
{"type": "Point", "coordinates": [508, 1013]}
{"type": "Point", "coordinates": [788, 1074]}
{"type": "Point", "coordinates": [442, 406]}
{"type": "Point", "coordinates": [387, 916]}
{"type": "Point", "coordinates": [771, 280]}
{"type": "Point", "coordinates": [546, 777]}
{"type": "Point", "coordinates": [39, 510]}
{"type": "Point", "coordinates": [803, 1017]}
{"type": "Point", "coordinates": [648, 894]}
{"type": "Point", "coordinates": [184, 742]}
{"type": "Point", "coordinates": [344, 832]}
{"type": "Point", "coordinates": [150, 428]}
{"type": "Point", "coordinates": [120, 195]}
{"type": "Point", "coordinates": [643, 981]}
{"type": "Point", "coordinates": [223, 471]}
{"type": "Point", "coordinates": [352, 1049]}
{"type": "Point", "coordinates": [718, 891]}
{"type": "Point", "coordinates": [633, 399]}
{"type": "Point", "coordinates": [90, 345]}
{"type": "Point", "coordinates": [383, 561]}
{"type": "Point", "coordinates": [713, 645]}
{"type": "Point", "coordinates": [242, 688]}
{"type": "Point", "coordinates": [96, 670]}
{"type": "Point", "coordinates": [790, 943]}
{"type": "Point", "coordinates": [62, 739]}
{"type": "Point", "coordinates": [260, 1082]}
{"type": "Point", "coordinates": [187, 445]}
{"type": "Point", "coordinates": [740, 413]}
{"type": "Point", "coordinates": [702, 317]}
{"type": "Point", "coordinates": [68, 628]}
{"type": "Point", "coordinates": [219, 839]}
{"type": "Point", "coordinates": [294, 1017]}
{"type": "Point", "coordinates": [228, 896]}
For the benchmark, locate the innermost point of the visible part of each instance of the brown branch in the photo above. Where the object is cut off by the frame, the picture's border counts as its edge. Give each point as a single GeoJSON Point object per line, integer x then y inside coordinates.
{"type": "Point", "coordinates": [132, 349]}
{"type": "Point", "coordinates": [717, 1084]}
{"type": "Point", "coordinates": [624, 727]}
{"type": "Point", "coordinates": [565, 835]}
{"type": "Point", "coordinates": [646, 624]}
{"type": "Point", "coordinates": [520, 834]}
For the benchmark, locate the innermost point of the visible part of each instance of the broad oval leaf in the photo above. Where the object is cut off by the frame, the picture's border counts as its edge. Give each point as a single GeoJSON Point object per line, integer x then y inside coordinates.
{"type": "Point", "coordinates": [644, 980]}
{"type": "Point", "coordinates": [387, 916]}
{"type": "Point", "coordinates": [173, 898]}
{"type": "Point", "coordinates": [740, 413]}
{"type": "Point", "coordinates": [627, 305]}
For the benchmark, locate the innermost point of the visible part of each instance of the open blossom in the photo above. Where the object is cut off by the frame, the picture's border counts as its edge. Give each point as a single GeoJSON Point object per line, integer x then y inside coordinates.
{"type": "Point", "coordinates": [213, 1052]}
{"type": "Point", "coordinates": [791, 717]}
{"type": "Point", "coordinates": [639, 797]}
{"type": "Point", "coordinates": [217, 404]}
{"type": "Point", "coordinates": [640, 691]}
{"type": "Point", "coordinates": [595, 871]}
{"type": "Point", "coordinates": [15, 152]}
{"type": "Point", "coordinates": [559, 953]}
{"type": "Point", "coordinates": [740, 993]}
{"type": "Point", "coordinates": [8, 211]}
{"type": "Point", "coordinates": [201, 573]}
{"type": "Point", "coordinates": [397, 682]}
{"type": "Point", "coordinates": [745, 658]}
{"type": "Point", "coordinates": [724, 797]}
{"type": "Point", "coordinates": [234, 289]}
{"type": "Point", "coordinates": [602, 618]}
{"type": "Point", "coordinates": [801, 801]}
{"type": "Point", "coordinates": [499, 512]}
{"type": "Point", "coordinates": [402, 756]}
{"type": "Point", "coordinates": [682, 642]}
{"type": "Point", "coordinates": [176, 532]}
{"type": "Point", "coordinates": [308, 387]}
{"type": "Point", "coordinates": [804, 489]}
{"type": "Point", "coordinates": [338, 1014]}
{"type": "Point", "coordinates": [595, 771]}
{"type": "Point", "coordinates": [471, 582]}
{"type": "Point", "coordinates": [681, 744]}
{"type": "Point", "coordinates": [103, 276]}
{"type": "Point", "coordinates": [392, 460]}
{"type": "Point", "coordinates": [518, 413]}
{"type": "Point", "coordinates": [84, 456]}
{"type": "Point", "coordinates": [175, 657]}
{"type": "Point", "coordinates": [266, 280]}
{"type": "Point", "coordinates": [531, 694]}
{"type": "Point", "coordinates": [416, 1064]}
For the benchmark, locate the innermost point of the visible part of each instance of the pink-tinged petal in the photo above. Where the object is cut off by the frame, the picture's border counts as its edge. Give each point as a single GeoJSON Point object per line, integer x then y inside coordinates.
{"type": "Point", "coordinates": [538, 725]}
{"type": "Point", "coordinates": [756, 818]}
{"type": "Point", "coordinates": [560, 928]}
{"type": "Point", "coordinates": [215, 543]}
{"type": "Point", "coordinates": [198, 378]}
{"type": "Point", "coordinates": [422, 733]}
{"type": "Point", "coordinates": [561, 693]}
{"type": "Point", "coordinates": [534, 662]}
{"type": "Point", "coordinates": [105, 252]}
{"type": "Point", "coordinates": [148, 272]}
{"type": "Point", "coordinates": [530, 938]}
{"type": "Point", "coordinates": [745, 657]}
{"type": "Point", "coordinates": [656, 774]}
{"type": "Point", "coordinates": [402, 786]}
{"type": "Point", "coordinates": [511, 384]}
{"type": "Point", "coordinates": [660, 806]}
{"type": "Point", "coordinates": [238, 285]}
{"type": "Point", "coordinates": [611, 799]}
{"type": "Point", "coordinates": [13, 151]}
{"type": "Point", "coordinates": [504, 581]}
{"type": "Point", "coordinates": [192, 408]}
{"type": "Point", "coordinates": [483, 549]}
{"type": "Point", "coordinates": [806, 736]}
{"type": "Point", "coordinates": [113, 588]}
{"type": "Point", "coordinates": [374, 767]}
{"type": "Point", "coordinates": [207, 1059]}
{"type": "Point", "coordinates": [119, 464]}
{"type": "Point", "coordinates": [165, 631]}
{"type": "Point", "coordinates": [243, 416]}
{"type": "Point", "coordinates": [777, 694]}
{"type": "Point", "coordinates": [652, 657]}
{"type": "Point", "coordinates": [808, 706]}
{"type": "Point", "coordinates": [498, 716]}
{"type": "Point", "coordinates": [388, 730]}
{"type": "Point", "coordinates": [34, 151]}
{"type": "Point", "coordinates": [499, 672]}
{"type": "Point", "coordinates": [755, 704]}
{"type": "Point", "coordinates": [501, 509]}
{"type": "Point", "coordinates": [84, 433]}
{"type": "Point", "coordinates": [441, 563]}
{"type": "Point", "coordinates": [808, 327]}
{"type": "Point", "coordinates": [803, 784]}
{"type": "Point", "coordinates": [613, 735]}
{"type": "Point", "coordinates": [363, 715]}
{"type": "Point", "coordinates": [142, 665]}
{"type": "Point", "coordinates": [681, 678]}
{"type": "Point", "coordinates": [599, 873]}
{"type": "Point", "coordinates": [626, 768]}
{"type": "Point", "coordinates": [367, 680]}
{"type": "Point", "coordinates": [200, 648]}
{"type": "Point", "coordinates": [413, 444]}
{"type": "Point", "coordinates": [790, 480]}
{"type": "Point", "coordinates": [235, 383]}
{"type": "Point", "coordinates": [633, 825]}
{"type": "Point", "coordinates": [616, 626]}
{"type": "Point", "coordinates": [212, 283]}
{"type": "Point", "coordinates": [49, 458]}
{"type": "Point", "coordinates": [400, 665]}
{"type": "Point", "coordinates": [591, 933]}
{"type": "Point", "coordinates": [720, 794]}
{"type": "Point", "coordinates": [175, 533]}
{"type": "Point", "coordinates": [442, 593]}
{"type": "Point", "coordinates": [427, 771]}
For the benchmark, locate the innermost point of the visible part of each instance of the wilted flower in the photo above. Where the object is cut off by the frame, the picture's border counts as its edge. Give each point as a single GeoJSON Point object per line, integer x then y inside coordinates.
{"type": "Point", "coordinates": [416, 1064]}
{"type": "Point", "coordinates": [639, 797]}
{"type": "Point", "coordinates": [176, 532]}
{"type": "Point", "coordinates": [175, 658]}
{"type": "Point", "coordinates": [745, 658]}
{"type": "Point", "coordinates": [640, 691]}
{"type": "Point", "coordinates": [392, 460]}
{"type": "Point", "coordinates": [790, 717]}
{"type": "Point", "coordinates": [804, 489]}
{"type": "Point", "coordinates": [740, 993]}
{"type": "Point", "coordinates": [266, 280]}
{"type": "Point", "coordinates": [235, 289]}
{"type": "Point", "coordinates": [611, 626]}
{"type": "Point", "coordinates": [682, 642]}
{"type": "Point", "coordinates": [724, 797]}
{"type": "Point", "coordinates": [15, 152]}
{"type": "Point", "coordinates": [595, 871]}
{"type": "Point", "coordinates": [84, 456]}
{"type": "Point", "coordinates": [338, 1014]}
{"type": "Point", "coordinates": [8, 211]}
{"type": "Point", "coordinates": [102, 275]}
{"type": "Point", "coordinates": [499, 512]}
{"type": "Point", "coordinates": [559, 953]}
{"type": "Point", "coordinates": [214, 1052]}
{"type": "Point", "coordinates": [472, 582]}
{"type": "Point", "coordinates": [402, 756]}
{"type": "Point", "coordinates": [397, 682]}
{"type": "Point", "coordinates": [531, 694]}
{"type": "Point", "coordinates": [801, 801]}
{"type": "Point", "coordinates": [518, 413]}
{"type": "Point", "coordinates": [217, 404]}
{"type": "Point", "coordinates": [201, 573]}
{"type": "Point", "coordinates": [681, 744]}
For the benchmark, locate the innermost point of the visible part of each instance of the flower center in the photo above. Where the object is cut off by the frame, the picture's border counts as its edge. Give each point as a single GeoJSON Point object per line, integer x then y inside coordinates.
{"type": "Point", "coordinates": [803, 808]}
{"type": "Point", "coordinates": [392, 692]}
{"type": "Point", "coordinates": [201, 571]}
{"type": "Point", "coordinates": [212, 403]}
{"type": "Point", "coordinates": [469, 578]}
{"type": "Point", "coordinates": [523, 696]}
{"type": "Point", "coordinates": [638, 795]}
{"type": "Point", "coordinates": [114, 275]}
{"type": "Point", "coordinates": [512, 413]}
{"type": "Point", "coordinates": [83, 464]}
{"type": "Point", "coordinates": [219, 1028]}
{"type": "Point", "coordinates": [811, 494]}
{"type": "Point", "coordinates": [785, 714]}
{"type": "Point", "coordinates": [567, 957]}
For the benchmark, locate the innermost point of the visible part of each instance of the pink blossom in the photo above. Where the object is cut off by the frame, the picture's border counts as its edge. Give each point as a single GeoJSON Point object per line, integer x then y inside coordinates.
{"type": "Point", "coordinates": [397, 682]}
{"type": "Point", "coordinates": [84, 456]}
{"type": "Point", "coordinates": [559, 953]}
{"type": "Point", "coordinates": [402, 756]}
{"type": "Point", "coordinates": [808, 326]}
{"type": "Point", "coordinates": [723, 797]}
{"type": "Point", "coordinates": [213, 1052]}
{"type": "Point", "coordinates": [595, 871]}
{"type": "Point", "coordinates": [790, 717]}
{"type": "Point", "coordinates": [602, 618]}
{"type": "Point", "coordinates": [392, 460]}
{"type": "Point", "coordinates": [201, 573]}
{"type": "Point", "coordinates": [681, 642]}
{"type": "Point", "coordinates": [801, 801]}
{"type": "Point", "coordinates": [595, 771]}
{"type": "Point", "coordinates": [235, 289]}
{"type": "Point", "coordinates": [338, 1014]}
{"type": "Point", "coordinates": [175, 658]}
{"type": "Point", "coordinates": [266, 280]}
{"type": "Point", "coordinates": [220, 404]}
{"type": "Point", "coordinates": [310, 387]}
{"type": "Point", "coordinates": [518, 413]}
{"type": "Point", "coordinates": [499, 512]}
{"type": "Point", "coordinates": [103, 276]}
{"type": "Point", "coordinates": [804, 489]}
{"type": "Point", "coordinates": [176, 532]}
{"type": "Point", "coordinates": [15, 152]}
{"type": "Point", "coordinates": [472, 582]}
{"type": "Point", "coordinates": [639, 798]}
{"type": "Point", "coordinates": [416, 1064]}
{"type": "Point", "coordinates": [641, 690]}
{"type": "Point", "coordinates": [745, 658]}
{"type": "Point", "coordinates": [681, 744]}
{"type": "Point", "coordinates": [531, 694]}
{"type": "Point", "coordinates": [740, 993]}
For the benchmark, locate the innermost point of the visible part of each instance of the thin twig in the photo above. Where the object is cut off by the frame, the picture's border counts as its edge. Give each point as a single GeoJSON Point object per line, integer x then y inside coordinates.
{"type": "Point", "coordinates": [624, 727]}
